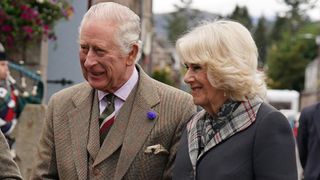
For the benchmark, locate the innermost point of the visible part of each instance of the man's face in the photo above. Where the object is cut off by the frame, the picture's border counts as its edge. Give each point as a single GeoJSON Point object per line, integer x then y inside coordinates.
{"type": "Point", "coordinates": [4, 70]}
{"type": "Point", "coordinates": [102, 62]}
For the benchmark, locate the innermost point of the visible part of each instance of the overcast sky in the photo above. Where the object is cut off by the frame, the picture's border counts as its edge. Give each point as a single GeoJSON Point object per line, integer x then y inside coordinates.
{"type": "Point", "coordinates": [256, 8]}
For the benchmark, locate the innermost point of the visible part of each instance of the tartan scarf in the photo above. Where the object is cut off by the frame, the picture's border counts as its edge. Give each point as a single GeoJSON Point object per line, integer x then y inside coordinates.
{"type": "Point", "coordinates": [205, 131]}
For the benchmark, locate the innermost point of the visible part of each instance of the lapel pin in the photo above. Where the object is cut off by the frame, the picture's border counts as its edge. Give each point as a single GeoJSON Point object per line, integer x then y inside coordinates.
{"type": "Point", "coordinates": [151, 115]}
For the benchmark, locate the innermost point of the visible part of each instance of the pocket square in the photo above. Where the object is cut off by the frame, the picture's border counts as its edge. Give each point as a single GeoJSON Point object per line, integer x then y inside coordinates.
{"type": "Point", "coordinates": [156, 149]}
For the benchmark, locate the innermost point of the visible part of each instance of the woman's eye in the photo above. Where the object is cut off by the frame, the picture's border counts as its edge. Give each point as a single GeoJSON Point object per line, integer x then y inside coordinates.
{"type": "Point", "coordinates": [196, 67]}
{"type": "Point", "coordinates": [186, 66]}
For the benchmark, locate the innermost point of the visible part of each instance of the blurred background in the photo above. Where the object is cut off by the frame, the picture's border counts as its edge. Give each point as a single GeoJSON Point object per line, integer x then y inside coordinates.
{"type": "Point", "coordinates": [286, 33]}
{"type": "Point", "coordinates": [41, 41]}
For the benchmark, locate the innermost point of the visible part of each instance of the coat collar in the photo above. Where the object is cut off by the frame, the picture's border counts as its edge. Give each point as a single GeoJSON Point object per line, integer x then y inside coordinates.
{"type": "Point", "coordinates": [242, 117]}
{"type": "Point", "coordinates": [79, 120]}
{"type": "Point", "coordinates": [139, 126]}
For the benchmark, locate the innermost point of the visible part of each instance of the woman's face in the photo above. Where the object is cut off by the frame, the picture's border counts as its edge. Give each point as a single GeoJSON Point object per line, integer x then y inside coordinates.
{"type": "Point", "coordinates": [204, 94]}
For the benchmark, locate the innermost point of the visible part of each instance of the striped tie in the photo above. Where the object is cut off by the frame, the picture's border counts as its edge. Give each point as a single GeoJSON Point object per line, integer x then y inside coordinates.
{"type": "Point", "coordinates": [107, 117]}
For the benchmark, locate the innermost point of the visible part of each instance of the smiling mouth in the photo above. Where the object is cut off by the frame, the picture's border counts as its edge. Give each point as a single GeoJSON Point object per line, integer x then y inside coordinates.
{"type": "Point", "coordinates": [96, 73]}
{"type": "Point", "coordinates": [195, 88]}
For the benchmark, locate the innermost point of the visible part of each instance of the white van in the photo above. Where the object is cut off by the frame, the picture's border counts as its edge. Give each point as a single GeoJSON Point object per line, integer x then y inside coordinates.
{"type": "Point", "coordinates": [286, 101]}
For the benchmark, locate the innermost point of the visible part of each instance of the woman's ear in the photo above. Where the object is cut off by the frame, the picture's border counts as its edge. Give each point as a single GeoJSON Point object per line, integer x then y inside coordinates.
{"type": "Point", "coordinates": [132, 54]}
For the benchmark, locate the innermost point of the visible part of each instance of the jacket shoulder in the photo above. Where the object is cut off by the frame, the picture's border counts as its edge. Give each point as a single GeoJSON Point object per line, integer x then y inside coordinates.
{"type": "Point", "coordinates": [268, 115]}
{"type": "Point", "coordinates": [69, 92]}
{"type": "Point", "coordinates": [311, 109]}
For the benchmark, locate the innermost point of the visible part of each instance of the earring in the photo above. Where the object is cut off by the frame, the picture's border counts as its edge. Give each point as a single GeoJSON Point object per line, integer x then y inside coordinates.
{"type": "Point", "coordinates": [224, 94]}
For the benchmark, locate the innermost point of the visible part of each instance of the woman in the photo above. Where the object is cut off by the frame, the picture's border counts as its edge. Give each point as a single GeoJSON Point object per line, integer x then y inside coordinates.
{"type": "Point", "coordinates": [236, 135]}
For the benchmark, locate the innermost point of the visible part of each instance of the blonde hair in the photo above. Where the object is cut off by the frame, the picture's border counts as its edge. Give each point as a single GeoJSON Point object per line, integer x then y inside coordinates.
{"type": "Point", "coordinates": [128, 22]}
{"type": "Point", "coordinates": [229, 53]}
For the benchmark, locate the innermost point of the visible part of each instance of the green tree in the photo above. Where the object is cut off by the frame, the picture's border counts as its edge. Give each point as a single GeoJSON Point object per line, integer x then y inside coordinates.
{"type": "Point", "coordinates": [296, 14]}
{"type": "Point", "coordinates": [291, 48]}
{"type": "Point", "coordinates": [163, 75]}
{"type": "Point", "coordinates": [260, 36]}
{"type": "Point", "coordinates": [177, 23]}
{"type": "Point", "coordinates": [280, 26]}
{"type": "Point", "coordinates": [289, 57]}
{"type": "Point", "coordinates": [242, 15]}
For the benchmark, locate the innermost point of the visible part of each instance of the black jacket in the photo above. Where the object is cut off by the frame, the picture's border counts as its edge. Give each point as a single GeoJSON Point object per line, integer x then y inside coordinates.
{"type": "Point", "coordinates": [309, 141]}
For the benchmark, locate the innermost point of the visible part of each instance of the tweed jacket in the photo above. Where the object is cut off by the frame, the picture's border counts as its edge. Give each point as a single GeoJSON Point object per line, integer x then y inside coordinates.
{"type": "Point", "coordinates": [263, 151]}
{"type": "Point", "coordinates": [135, 148]}
{"type": "Point", "coordinates": [8, 168]}
{"type": "Point", "coordinates": [309, 141]}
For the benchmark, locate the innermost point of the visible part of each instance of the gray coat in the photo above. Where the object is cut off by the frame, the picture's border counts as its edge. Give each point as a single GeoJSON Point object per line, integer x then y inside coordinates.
{"type": "Point", "coordinates": [264, 151]}
{"type": "Point", "coordinates": [8, 168]}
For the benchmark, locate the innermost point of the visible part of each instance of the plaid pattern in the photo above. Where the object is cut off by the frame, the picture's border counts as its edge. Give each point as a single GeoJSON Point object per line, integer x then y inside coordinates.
{"type": "Point", "coordinates": [107, 117]}
{"type": "Point", "coordinates": [8, 108]}
{"type": "Point", "coordinates": [241, 117]}
{"type": "Point", "coordinates": [209, 125]}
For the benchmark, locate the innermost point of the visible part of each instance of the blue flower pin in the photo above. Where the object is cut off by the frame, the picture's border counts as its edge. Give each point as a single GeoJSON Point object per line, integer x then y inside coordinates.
{"type": "Point", "coordinates": [151, 115]}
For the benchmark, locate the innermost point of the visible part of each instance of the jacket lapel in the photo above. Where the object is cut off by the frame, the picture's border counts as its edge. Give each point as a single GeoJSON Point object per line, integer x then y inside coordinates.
{"type": "Point", "coordinates": [93, 140]}
{"type": "Point", "coordinates": [79, 123]}
{"type": "Point", "coordinates": [114, 139]}
{"type": "Point", "coordinates": [139, 126]}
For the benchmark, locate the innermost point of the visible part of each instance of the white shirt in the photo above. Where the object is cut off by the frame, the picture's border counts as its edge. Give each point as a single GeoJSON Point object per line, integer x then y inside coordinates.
{"type": "Point", "coordinates": [121, 94]}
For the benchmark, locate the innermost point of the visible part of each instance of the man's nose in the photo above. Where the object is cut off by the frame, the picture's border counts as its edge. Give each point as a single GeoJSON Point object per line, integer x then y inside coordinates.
{"type": "Point", "coordinates": [90, 59]}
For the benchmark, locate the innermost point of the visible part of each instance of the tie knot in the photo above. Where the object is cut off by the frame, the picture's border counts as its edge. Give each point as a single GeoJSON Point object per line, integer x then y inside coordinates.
{"type": "Point", "coordinates": [109, 98]}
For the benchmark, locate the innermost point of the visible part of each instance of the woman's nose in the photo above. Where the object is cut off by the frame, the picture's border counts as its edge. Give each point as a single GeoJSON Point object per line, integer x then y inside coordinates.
{"type": "Point", "coordinates": [188, 78]}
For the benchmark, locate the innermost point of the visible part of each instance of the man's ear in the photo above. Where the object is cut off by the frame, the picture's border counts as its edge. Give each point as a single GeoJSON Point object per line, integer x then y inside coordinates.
{"type": "Point", "coordinates": [132, 54]}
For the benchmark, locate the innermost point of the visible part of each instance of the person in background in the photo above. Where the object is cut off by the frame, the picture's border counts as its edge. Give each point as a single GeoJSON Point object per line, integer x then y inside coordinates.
{"type": "Point", "coordinates": [236, 135]}
{"type": "Point", "coordinates": [8, 168]}
{"type": "Point", "coordinates": [309, 141]}
{"type": "Point", "coordinates": [120, 123]}
{"type": "Point", "coordinates": [11, 101]}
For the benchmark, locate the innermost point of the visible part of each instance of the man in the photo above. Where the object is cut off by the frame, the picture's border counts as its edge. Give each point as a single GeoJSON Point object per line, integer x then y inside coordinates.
{"type": "Point", "coordinates": [8, 168]}
{"type": "Point", "coordinates": [309, 141]}
{"type": "Point", "coordinates": [11, 103]}
{"type": "Point", "coordinates": [149, 116]}
{"type": "Point", "coordinates": [12, 100]}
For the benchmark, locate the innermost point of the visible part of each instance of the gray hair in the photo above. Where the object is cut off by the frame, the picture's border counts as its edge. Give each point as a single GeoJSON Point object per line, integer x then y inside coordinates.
{"type": "Point", "coordinates": [230, 54]}
{"type": "Point", "coordinates": [127, 21]}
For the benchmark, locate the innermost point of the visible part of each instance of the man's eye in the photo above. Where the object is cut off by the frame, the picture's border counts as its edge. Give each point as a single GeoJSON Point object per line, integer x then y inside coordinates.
{"type": "Point", "coordinates": [99, 51]}
{"type": "Point", "coordinates": [83, 47]}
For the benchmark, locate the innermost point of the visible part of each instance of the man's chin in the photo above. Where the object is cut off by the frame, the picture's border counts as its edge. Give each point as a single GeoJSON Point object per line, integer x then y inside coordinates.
{"type": "Point", "coordinates": [99, 86]}
{"type": "Point", "coordinates": [95, 85]}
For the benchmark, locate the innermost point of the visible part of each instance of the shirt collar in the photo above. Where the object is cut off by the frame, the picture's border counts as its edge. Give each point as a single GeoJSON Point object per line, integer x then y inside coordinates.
{"type": "Point", "coordinates": [124, 91]}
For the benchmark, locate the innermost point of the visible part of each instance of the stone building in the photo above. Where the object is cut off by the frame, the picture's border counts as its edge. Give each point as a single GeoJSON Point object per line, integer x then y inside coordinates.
{"type": "Point", "coordinates": [311, 93]}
